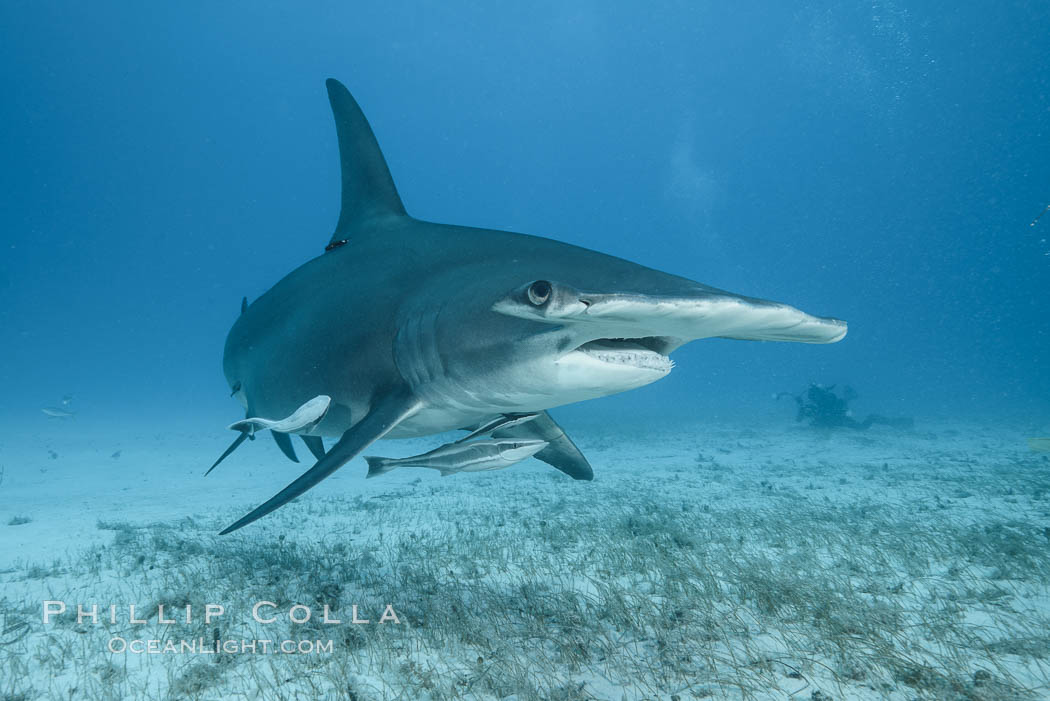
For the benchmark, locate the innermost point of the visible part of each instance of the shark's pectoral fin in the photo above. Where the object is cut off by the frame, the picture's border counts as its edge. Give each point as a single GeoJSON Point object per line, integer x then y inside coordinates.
{"type": "Point", "coordinates": [386, 413]}
{"type": "Point", "coordinates": [561, 452]}
{"type": "Point", "coordinates": [284, 442]}
{"type": "Point", "coordinates": [315, 444]}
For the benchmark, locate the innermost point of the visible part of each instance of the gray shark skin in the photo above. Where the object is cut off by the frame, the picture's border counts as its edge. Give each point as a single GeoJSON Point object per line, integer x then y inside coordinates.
{"type": "Point", "coordinates": [415, 328]}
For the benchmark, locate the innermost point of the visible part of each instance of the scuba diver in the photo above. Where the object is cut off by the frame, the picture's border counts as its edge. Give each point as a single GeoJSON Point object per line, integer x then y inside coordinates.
{"type": "Point", "coordinates": [825, 409]}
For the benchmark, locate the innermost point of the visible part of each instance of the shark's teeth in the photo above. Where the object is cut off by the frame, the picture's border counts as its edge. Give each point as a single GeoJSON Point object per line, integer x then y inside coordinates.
{"type": "Point", "coordinates": [619, 352]}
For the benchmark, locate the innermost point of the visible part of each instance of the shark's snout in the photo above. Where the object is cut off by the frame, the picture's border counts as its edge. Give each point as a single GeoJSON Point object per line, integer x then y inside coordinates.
{"type": "Point", "coordinates": [661, 322]}
{"type": "Point", "coordinates": [706, 314]}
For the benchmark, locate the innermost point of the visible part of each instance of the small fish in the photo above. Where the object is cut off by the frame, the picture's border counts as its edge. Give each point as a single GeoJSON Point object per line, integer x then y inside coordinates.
{"type": "Point", "coordinates": [1039, 445]}
{"type": "Point", "coordinates": [115, 455]}
{"type": "Point", "coordinates": [67, 399]}
{"type": "Point", "coordinates": [56, 413]}
{"type": "Point", "coordinates": [501, 421]}
{"type": "Point", "coordinates": [302, 419]}
{"type": "Point", "coordinates": [449, 459]}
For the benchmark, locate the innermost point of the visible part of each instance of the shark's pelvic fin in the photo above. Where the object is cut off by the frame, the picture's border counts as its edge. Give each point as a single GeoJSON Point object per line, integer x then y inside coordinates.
{"type": "Point", "coordinates": [368, 188]}
{"type": "Point", "coordinates": [315, 444]}
{"type": "Point", "coordinates": [386, 413]}
{"type": "Point", "coordinates": [561, 452]}
{"type": "Point", "coordinates": [284, 442]}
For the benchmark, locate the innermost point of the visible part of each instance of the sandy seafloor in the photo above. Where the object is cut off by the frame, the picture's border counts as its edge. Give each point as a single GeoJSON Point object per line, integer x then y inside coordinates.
{"type": "Point", "coordinates": [706, 560]}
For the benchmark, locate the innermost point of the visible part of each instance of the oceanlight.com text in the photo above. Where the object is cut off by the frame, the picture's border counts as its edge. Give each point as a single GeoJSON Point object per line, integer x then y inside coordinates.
{"type": "Point", "coordinates": [203, 646]}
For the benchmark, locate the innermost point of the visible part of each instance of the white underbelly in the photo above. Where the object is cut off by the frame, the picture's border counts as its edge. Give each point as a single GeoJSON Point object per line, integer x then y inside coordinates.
{"type": "Point", "coordinates": [431, 420]}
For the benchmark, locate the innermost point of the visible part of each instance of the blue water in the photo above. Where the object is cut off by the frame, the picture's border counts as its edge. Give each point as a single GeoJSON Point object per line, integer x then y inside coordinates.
{"type": "Point", "coordinates": [879, 162]}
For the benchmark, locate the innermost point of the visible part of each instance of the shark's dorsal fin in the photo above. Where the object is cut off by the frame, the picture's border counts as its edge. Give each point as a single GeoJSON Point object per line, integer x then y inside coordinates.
{"type": "Point", "coordinates": [368, 188]}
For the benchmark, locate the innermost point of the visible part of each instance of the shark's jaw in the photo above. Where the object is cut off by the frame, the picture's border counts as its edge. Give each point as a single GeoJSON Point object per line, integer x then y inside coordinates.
{"type": "Point", "coordinates": [557, 366]}
{"type": "Point", "coordinates": [605, 366]}
{"type": "Point", "coordinates": [645, 354]}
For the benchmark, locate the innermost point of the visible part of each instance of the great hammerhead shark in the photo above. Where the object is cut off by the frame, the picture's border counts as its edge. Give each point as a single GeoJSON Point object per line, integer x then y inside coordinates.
{"type": "Point", "coordinates": [408, 328]}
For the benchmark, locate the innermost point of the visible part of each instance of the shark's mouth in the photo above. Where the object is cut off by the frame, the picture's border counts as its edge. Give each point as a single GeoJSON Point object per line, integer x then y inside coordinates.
{"type": "Point", "coordinates": [647, 353]}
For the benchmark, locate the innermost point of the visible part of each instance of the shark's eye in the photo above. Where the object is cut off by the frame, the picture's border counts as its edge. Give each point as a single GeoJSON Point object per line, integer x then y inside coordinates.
{"type": "Point", "coordinates": [539, 292]}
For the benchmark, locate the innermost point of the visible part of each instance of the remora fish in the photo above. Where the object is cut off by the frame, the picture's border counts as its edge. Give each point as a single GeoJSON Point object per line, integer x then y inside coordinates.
{"type": "Point", "coordinates": [478, 456]}
{"type": "Point", "coordinates": [302, 419]}
{"type": "Point", "coordinates": [501, 422]}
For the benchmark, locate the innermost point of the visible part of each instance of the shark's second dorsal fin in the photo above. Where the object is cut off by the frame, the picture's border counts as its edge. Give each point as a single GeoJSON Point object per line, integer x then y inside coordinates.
{"type": "Point", "coordinates": [368, 188]}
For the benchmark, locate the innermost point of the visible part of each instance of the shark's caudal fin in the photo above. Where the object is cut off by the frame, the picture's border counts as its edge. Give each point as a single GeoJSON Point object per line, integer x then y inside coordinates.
{"type": "Point", "coordinates": [368, 188]}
